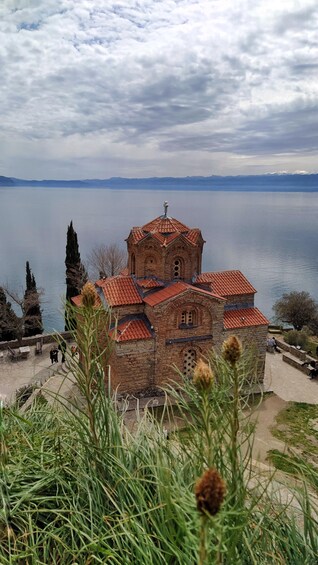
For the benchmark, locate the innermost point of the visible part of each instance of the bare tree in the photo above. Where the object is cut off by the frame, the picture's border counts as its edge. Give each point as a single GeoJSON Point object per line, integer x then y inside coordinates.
{"type": "Point", "coordinates": [106, 261]}
{"type": "Point", "coordinates": [28, 304]}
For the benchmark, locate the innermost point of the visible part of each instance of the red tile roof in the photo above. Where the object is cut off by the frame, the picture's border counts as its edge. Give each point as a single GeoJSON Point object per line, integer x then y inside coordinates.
{"type": "Point", "coordinates": [171, 237]}
{"type": "Point", "coordinates": [246, 317]}
{"type": "Point", "coordinates": [159, 236]}
{"type": "Point", "coordinates": [174, 290]}
{"type": "Point", "coordinates": [131, 330]}
{"type": "Point", "coordinates": [226, 283]}
{"type": "Point", "coordinates": [137, 234]}
{"type": "Point", "coordinates": [193, 235]}
{"type": "Point", "coordinates": [165, 230]}
{"type": "Point", "coordinates": [120, 291]}
{"type": "Point", "coordinates": [77, 300]}
{"type": "Point", "coordinates": [166, 293]}
{"type": "Point", "coordinates": [149, 283]}
{"type": "Point", "coordinates": [164, 224]}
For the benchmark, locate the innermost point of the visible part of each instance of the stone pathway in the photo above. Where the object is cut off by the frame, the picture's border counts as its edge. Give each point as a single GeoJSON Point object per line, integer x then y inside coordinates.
{"type": "Point", "coordinates": [17, 374]}
{"type": "Point", "coordinates": [287, 382]}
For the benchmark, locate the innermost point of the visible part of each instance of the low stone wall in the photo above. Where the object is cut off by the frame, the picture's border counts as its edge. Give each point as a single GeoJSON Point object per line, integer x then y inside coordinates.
{"type": "Point", "coordinates": [295, 363]}
{"type": "Point", "coordinates": [282, 345]}
{"type": "Point", "coordinates": [299, 353]}
{"type": "Point", "coordinates": [44, 338]}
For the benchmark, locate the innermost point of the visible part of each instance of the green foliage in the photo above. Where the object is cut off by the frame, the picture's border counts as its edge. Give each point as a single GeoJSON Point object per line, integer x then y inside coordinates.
{"type": "Point", "coordinates": [313, 347]}
{"type": "Point", "coordinates": [292, 464]}
{"type": "Point", "coordinates": [297, 338]}
{"type": "Point", "coordinates": [79, 485]}
{"type": "Point", "coordinates": [296, 308]}
{"type": "Point", "coordinates": [296, 426]}
{"type": "Point", "coordinates": [76, 274]}
{"type": "Point", "coordinates": [32, 312]}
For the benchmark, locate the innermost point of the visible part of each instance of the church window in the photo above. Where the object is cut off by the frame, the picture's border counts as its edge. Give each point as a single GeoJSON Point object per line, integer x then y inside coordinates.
{"type": "Point", "coordinates": [188, 318]}
{"type": "Point", "coordinates": [189, 362]}
{"type": "Point", "coordinates": [177, 269]}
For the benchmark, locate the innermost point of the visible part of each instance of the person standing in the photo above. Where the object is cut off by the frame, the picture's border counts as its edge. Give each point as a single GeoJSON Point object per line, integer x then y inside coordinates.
{"type": "Point", "coordinates": [62, 348]}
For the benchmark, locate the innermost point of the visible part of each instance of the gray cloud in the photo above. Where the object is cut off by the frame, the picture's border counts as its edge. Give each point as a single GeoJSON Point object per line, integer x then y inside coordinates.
{"type": "Point", "coordinates": [145, 83]}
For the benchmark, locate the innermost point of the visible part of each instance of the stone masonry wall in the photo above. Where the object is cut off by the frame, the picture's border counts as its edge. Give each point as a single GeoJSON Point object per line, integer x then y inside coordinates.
{"type": "Point", "coordinates": [166, 319]}
{"type": "Point", "coordinates": [132, 366]}
{"type": "Point", "coordinates": [120, 312]}
{"type": "Point", "coordinates": [254, 337]}
{"type": "Point", "coordinates": [153, 259]}
{"type": "Point", "coordinates": [241, 299]}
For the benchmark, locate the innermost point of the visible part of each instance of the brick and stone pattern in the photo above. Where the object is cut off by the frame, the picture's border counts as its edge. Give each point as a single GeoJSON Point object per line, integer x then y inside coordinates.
{"type": "Point", "coordinates": [254, 339]}
{"type": "Point", "coordinates": [150, 258]}
{"type": "Point", "coordinates": [132, 366]}
{"type": "Point", "coordinates": [185, 324]}
{"type": "Point", "coordinates": [241, 300]}
{"type": "Point", "coordinates": [173, 339]}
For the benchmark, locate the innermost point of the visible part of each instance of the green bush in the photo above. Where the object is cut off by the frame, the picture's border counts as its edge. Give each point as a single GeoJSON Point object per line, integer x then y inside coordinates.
{"type": "Point", "coordinates": [79, 487]}
{"type": "Point", "coordinates": [297, 338]}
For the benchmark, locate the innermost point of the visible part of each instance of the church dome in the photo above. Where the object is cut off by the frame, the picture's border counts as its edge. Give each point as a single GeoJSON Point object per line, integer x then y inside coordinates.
{"type": "Point", "coordinates": [165, 248]}
{"type": "Point", "coordinates": [165, 225]}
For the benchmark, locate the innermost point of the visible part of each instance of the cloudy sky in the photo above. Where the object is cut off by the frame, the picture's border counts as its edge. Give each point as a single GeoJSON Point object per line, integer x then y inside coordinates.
{"type": "Point", "coordinates": [100, 88]}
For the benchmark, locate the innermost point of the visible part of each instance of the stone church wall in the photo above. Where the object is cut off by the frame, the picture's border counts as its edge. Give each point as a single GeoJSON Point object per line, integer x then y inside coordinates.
{"type": "Point", "coordinates": [132, 366]}
{"type": "Point", "coordinates": [173, 339]}
{"type": "Point", "coordinates": [241, 300]}
{"type": "Point", "coordinates": [253, 338]}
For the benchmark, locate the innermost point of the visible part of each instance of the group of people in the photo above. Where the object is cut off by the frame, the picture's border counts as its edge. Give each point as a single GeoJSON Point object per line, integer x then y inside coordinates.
{"type": "Point", "coordinates": [55, 349]}
{"type": "Point", "coordinates": [54, 352]}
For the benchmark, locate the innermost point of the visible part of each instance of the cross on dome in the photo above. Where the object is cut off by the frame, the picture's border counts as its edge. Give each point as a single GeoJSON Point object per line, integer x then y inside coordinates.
{"type": "Point", "coordinates": [165, 208]}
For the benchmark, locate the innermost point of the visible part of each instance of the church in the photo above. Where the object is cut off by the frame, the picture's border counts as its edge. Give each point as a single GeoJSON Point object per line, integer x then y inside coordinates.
{"type": "Point", "coordinates": [168, 313]}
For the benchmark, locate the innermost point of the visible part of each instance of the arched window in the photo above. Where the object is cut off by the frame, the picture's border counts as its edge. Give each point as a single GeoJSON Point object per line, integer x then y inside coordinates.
{"type": "Point", "coordinates": [133, 264]}
{"type": "Point", "coordinates": [188, 318]}
{"type": "Point", "coordinates": [189, 362]}
{"type": "Point", "coordinates": [177, 269]}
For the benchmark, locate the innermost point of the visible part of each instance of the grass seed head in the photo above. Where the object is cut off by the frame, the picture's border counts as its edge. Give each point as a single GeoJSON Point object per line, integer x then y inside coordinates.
{"type": "Point", "coordinates": [89, 295]}
{"type": "Point", "coordinates": [203, 376]}
{"type": "Point", "coordinates": [210, 491]}
{"type": "Point", "coordinates": [232, 350]}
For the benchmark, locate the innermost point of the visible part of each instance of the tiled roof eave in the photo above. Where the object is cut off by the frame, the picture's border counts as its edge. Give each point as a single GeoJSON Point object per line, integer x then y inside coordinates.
{"type": "Point", "coordinates": [144, 338]}
{"type": "Point", "coordinates": [244, 325]}
{"type": "Point", "coordinates": [244, 318]}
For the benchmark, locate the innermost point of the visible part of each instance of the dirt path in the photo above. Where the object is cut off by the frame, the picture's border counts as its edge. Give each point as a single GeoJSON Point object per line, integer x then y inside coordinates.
{"type": "Point", "coordinates": [288, 385]}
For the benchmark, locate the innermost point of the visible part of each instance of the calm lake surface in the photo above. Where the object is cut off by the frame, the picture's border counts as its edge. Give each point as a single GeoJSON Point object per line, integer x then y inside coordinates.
{"type": "Point", "coordinates": [271, 237]}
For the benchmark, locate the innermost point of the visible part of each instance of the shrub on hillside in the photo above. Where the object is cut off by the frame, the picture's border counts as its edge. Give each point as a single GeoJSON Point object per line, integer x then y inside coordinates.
{"type": "Point", "coordinates": [297, 338]}
{"type": "Point", "coordinates": [79, 485]}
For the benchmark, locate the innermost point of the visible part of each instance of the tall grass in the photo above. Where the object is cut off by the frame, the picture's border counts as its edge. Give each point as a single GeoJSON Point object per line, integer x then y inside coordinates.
{"type": "Point", "coordinates": [77, 486]}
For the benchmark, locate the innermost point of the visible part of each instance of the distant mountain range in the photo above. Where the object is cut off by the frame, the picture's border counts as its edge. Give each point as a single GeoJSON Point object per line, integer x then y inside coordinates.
{"type": "Point", "coordinates": [276, 182]}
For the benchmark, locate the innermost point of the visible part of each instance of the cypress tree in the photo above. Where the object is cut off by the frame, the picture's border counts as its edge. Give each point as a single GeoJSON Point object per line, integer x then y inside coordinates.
{"type": "Point", "coordinates": [32, 311]}
{"type": "Point", "coordinates": [76, 274]}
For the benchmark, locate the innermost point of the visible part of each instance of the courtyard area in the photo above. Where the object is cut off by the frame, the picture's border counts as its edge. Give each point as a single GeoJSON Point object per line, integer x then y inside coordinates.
{"type": "Point", "coordinates": [285, 382]}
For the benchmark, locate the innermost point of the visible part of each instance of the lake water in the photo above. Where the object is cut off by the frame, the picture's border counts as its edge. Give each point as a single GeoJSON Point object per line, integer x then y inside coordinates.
{"type": "Point", "coordinates": [271, 237]}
